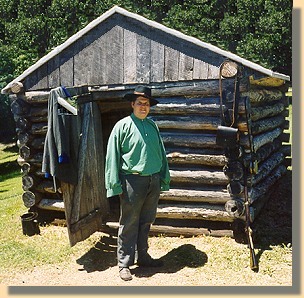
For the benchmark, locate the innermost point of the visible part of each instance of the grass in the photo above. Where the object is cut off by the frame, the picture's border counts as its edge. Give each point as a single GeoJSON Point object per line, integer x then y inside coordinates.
{"type": "Point", "coordinates": [19, 251]}
{"type": "Point", "coordinates": [217, 260]}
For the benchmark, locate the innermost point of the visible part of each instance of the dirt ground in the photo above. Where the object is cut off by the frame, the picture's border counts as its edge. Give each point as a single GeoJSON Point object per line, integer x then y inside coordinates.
{"type": "Point", "coordinates": [201, 267]}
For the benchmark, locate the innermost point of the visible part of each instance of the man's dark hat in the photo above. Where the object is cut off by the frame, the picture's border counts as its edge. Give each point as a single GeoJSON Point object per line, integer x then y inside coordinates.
{"type": "Point", "coordinates": [141, 91]}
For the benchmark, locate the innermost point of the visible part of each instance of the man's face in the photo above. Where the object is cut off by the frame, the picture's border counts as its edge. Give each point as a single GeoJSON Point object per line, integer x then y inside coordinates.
{"type": "Point", "coordinates": [141, 107]}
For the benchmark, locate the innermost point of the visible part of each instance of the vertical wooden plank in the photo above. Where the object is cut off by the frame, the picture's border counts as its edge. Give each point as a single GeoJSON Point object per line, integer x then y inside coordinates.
{"type": "Point", "coordinates": [100, 65]}
{"type": "Point", "coordinates": [171, 64]}
{"type": "Point", "coordinates": [43, 77]}
{"type": "Point", "coordinates": [200, 70]}
{"type": "Point", "coordinates": [143, 59]}
{"type": "Point", "coordinates": [82, 65]}
{"type": "Point", "coordinates": [99, 199]}
{"type": "Point", "coordinates": [114, 55]}
{"type": "Point", "coordinates": [185, 67]}
{"type": "Point", "coordinates": [38, 79]}
{"type": "Point", "coordinates": [129, 59]}
{"type": "Point", "coordinates": [87, 205]}
{"type": "Point", "coordinates": [66, 69]}
{"type": "Point", "coordinates": [157, 61]}
{"type": "Point", "coordinates": [213, 72]}
{"type": "Point", "coordinates": [82, 155]}
{"type": "Point", "coordinates": [53, 71]}
{"type": "Point", "coordinates": [98, 52]}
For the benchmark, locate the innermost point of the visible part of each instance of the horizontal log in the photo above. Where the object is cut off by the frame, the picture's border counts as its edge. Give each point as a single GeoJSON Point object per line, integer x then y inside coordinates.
{"type": "Point", "coordinates": [38, 173]}
{"type": "Point", "coordinates": [262, 125]}
{"type": "Point", "coordinates": [51, 204]}
{"type": "Point", "coordinates": [202, 211]}
{"type": "Point", "coordinates": [36, 97]}
{"type": "Point", "coordinates": [37, 119]}
{"type": "Point", "coordinates": [186, 122]}
{"type": "Point", "coordinates": [212, 196]}
{"type": "Point", "coordinates": [235, 188]}
{"type": "Point", "coordinates": [30, 198]}
{"type": "Point", "coordinates": [257, 113]}
{"type": "Point", "coordinates": [235, 208]}
{"type": "Point", "coordinates": [194, 150]}
{"type": "Point", "coordinates": [286, 149]}
{"type": "Point", "coordinates": [26, 168]}
{"type": "Point", "coordinates": [39, 128]}
{"type": "Point", "coordinates": [31, 169]}
{"type": "Point", "coordinates": [267, 166]}
{"type": "Point", "coordinates": [29, 181]}
{"type": "Point", "coordinates": [24, 125]}
{"type": "Point", "coordinates": [268, 82]}
{"type": "Point", "coordinates": [257, 206]}
{"type": "Point", "coordinates": [198, 177]}
{"type": "Point", "coordinates": [20, 107]}
{"type": "Point", "coordinates": [17, 87]}
{"type": "Point", "coordinates": [37, 143]}
{"type": "Point", "coordinates": [188, 232]}
{"type": "Point", "coordinates": [259, 96]}
{"type": "Point", "coordinates": [189, 140]}
{"type": "Point", "coordinates": [198, 106]}
{"type": "Point", "coordinates": [261, 188]}
{"type": "Point", "coordinates": [30, 140]}
{"type": "Point", "coordinates": [177, 158]}
{"type": "Point", "coordinates": [183, 107]}
{"type": "Point", "coordinates": [24, 138]}
{"type": "Point", "coordinates": [35, 160]}
{"type": "Point", "coordinates": [171, 231]}
{"type": "Point", "coordinates": [260, 140]}
{"type": "Point", "coordinates": [233, 170]}
{"type": "Point", "coordinates": [25, 152]}
{"type": "Point", "coordinates": [47, 186]}
{"type": "Point", "coordinates": [39, 111]}
{"type": "Point", "coordinates": [263, 152]}
{"type": "Point", "coordinates": [202, 88]}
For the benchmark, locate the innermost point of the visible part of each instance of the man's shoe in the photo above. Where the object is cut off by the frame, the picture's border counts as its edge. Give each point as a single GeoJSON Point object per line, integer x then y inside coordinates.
{"type": "Point", "coordinates": [125, 274]}
{"type": "Point", "coordinates": [149, 262]}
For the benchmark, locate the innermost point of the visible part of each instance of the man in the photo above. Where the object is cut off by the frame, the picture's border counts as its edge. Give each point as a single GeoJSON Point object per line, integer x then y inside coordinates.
{"type": "Point", "coordinates": [136, 170]}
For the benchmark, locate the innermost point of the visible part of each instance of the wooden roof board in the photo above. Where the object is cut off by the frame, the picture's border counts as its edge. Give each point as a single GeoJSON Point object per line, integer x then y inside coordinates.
{"type": "Point", "coordinates": [172, 55]}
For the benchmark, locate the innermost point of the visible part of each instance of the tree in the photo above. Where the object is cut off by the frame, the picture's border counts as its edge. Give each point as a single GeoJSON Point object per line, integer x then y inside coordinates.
{"type": "Point", "coordinates": [258, 30]}
{"type": "Point", "coordinates": [270, 44]}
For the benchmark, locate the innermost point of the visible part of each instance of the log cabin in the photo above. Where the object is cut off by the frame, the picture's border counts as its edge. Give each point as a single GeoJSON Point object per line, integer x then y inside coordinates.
{"type": "Point", "coordinates": [200, 88]}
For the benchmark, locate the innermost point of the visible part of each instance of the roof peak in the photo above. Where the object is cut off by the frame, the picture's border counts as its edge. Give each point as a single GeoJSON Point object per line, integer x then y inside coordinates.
{"type": "Point", "coordinates": [124, 12]}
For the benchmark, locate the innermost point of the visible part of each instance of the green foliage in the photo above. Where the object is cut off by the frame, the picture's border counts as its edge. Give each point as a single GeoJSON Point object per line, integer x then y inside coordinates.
{"type": "Point", "coordinates": [259, 30]}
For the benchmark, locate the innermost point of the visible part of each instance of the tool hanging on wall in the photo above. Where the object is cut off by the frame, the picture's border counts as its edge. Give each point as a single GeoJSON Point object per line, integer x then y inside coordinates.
{"type": "Point", "coordinates": [227, 132]}
{"type": "Point", "coordinates": [228, 137]}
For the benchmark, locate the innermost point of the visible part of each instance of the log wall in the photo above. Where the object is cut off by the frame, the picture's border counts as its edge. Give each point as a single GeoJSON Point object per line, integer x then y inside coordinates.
{"type": "Point", "coordinates": [188, 118]}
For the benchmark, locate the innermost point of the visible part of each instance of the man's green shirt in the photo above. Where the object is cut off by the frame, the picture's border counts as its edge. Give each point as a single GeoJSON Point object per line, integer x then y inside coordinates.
{"type": "Point", "coordinates": [135, 147]}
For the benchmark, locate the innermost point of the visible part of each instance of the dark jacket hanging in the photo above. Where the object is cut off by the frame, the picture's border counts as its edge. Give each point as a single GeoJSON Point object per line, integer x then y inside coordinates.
{"type": "Point", "coordinates": [61, 142]}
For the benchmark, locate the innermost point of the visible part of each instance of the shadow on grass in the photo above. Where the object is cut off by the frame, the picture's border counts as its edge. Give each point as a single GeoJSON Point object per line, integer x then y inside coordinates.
{"type": "Point", "coordinates": [13, 148]}
{"type": "Point", "coordinates": [100, 257]}
{"type": "Point", "coordinates": [273, 226]}
{"type": "Point", "coordinates": [9, 169]}
{"type": "Point", "coordinates": [274, 223]}
{"type": "Point", "coordinates": [183, 256]}
{"type": "Point", "coordinates": [103, 256]}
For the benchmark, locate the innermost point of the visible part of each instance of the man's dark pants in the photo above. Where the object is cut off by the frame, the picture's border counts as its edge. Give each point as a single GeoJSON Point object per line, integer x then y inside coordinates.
{"type": "Point", "coordinates": [138, 206]}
